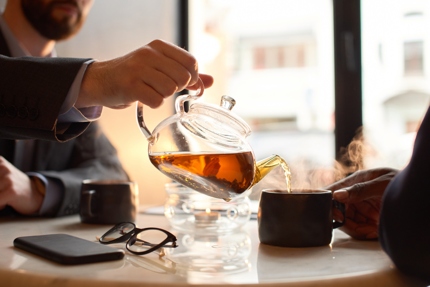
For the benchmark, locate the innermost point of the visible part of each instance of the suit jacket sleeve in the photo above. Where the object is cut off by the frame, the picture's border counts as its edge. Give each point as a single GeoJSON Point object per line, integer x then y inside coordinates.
{"type": "Point", "coordinates": [405, 215]}
{"type": "Point", "coordinates": [89, 156]}
{"type": "Point", "coordinates": [32, 92]}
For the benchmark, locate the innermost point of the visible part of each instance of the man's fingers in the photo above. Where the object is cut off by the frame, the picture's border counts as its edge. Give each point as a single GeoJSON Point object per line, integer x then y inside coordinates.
{"type": "Point", "coordinates": [363, 176]}
{"type": "Point", "coordinates": [204, 81]}
{"type": "Point", "coordinates": [198, 87]}
{"type": "Point", "coordinates": [4, 195]}
{"type": "Point", "coordinates": [207, 80]}
{"type": "Point", "coordinates": [337, 215]}
{"type": "Point", "coordinates": [179, 55]}
{"type": "Point", "coordinates": [362, 190]}
{"type": "Point", "coordinates": [368, 232]}
{"type": "Point", "coordinates": [360, 231]}
{"type": "Point", "coordinates": [353, 194]}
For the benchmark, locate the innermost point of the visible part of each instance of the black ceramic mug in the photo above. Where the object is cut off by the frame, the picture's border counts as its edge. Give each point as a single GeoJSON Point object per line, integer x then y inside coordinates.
{"type": "Point", "coordinates": [108, 201]}
{"type": "Point", "coordinates": [301, 218]}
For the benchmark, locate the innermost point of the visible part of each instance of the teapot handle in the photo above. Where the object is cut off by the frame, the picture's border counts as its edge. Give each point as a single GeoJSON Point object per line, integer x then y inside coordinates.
{"type": "Point", "coordinates": [179, 105]}
{"type": "Point", "coordinates": [180, 100]}
{"type": "Point", "coordinates": [141, 122]}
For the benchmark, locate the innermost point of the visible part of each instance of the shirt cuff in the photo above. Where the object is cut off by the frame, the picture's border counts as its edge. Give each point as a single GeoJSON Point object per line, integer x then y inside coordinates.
{"type": "Point", "coordinates": [70, 114]}
{"type": "Point", "coordinates": [53, 195]}
{"type": "Point", "coordinates": [74, 115]}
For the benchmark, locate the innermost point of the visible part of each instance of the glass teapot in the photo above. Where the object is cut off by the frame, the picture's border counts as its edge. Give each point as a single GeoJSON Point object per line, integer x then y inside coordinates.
{"type": "Point", "coordinates": [205, 148]}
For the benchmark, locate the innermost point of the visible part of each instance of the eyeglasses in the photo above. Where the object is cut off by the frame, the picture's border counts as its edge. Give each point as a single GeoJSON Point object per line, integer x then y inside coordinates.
{"type": "Point", "coordinates": [139, 241]}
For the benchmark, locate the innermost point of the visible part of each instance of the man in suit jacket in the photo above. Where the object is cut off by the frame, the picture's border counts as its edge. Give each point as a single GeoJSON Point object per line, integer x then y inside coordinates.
{"type": "Point", "coordinates": [40, 97]}
{"type": "Point", "coordinates": [57, 98]}
{"type": "Point", "coordinates": [39, 177]}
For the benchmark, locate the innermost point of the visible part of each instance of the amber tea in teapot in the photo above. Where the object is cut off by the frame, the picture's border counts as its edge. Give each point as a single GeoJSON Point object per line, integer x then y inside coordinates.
{"type": "Point", "coordinates": [224, 175]}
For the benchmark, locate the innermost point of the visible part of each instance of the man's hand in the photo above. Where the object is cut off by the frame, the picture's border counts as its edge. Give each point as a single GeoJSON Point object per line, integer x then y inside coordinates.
{"type": "Point", "coordinates": [149, 74]}
{"type": "Point", "coordinates": [362, 194]}
{"type": "Point", "coordinates": [17, 190]}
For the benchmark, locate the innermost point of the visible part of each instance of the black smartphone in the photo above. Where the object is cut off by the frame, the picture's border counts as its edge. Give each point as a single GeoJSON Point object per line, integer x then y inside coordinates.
{"type": "Point", "coordinates": [67, 249]}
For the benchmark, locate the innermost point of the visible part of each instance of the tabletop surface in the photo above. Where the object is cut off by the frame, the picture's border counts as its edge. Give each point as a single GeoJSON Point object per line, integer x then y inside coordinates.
{"type": "Point", "coordinates": [237, 259]}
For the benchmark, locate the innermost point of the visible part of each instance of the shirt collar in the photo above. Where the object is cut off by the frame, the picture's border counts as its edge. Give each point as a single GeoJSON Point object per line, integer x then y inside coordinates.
{"type": "Point", "coordinates": [16, 49]}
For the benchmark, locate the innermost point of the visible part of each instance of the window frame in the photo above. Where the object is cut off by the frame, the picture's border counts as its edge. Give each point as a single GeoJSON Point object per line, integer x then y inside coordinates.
{"type": "Point", "coordinates": [347, 69]}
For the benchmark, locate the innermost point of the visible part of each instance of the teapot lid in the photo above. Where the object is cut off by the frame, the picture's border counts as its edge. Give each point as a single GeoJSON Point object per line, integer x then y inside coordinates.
{"type": "Point", "coordinates": [216, 123]}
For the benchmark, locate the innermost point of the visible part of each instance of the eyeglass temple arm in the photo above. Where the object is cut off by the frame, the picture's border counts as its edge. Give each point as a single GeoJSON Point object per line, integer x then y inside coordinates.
{"type": "Point", "coordinates": [146, 243]}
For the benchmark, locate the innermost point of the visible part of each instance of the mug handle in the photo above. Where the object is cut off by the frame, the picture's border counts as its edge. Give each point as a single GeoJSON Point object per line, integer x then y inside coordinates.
{"type": "Point", "coordinates": [87, 196]}
{"type": "Point", "coordinates": [340, 206]}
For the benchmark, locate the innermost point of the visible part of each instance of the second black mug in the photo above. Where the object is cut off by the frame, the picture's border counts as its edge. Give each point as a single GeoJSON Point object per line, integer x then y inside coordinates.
{"type": "Point", "coordinates": [300, 218]}
{"type": "Point", "coordinates": [108, 201]}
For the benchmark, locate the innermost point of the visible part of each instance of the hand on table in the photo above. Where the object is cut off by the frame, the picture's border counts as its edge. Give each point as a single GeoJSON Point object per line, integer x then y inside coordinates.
{"type": "Point", "coordinates": [149, 74]}
{"type": "Point", "coordinates": [17, 190]}
{"type": "Point", "coordinates": [361, 193]}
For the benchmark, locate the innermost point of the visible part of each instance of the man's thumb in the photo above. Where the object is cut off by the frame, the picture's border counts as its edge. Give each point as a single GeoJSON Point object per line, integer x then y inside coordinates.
{"type": "Point", "coordinates": [355, 193]}
{"type": "Point", "coordinates": [341, 195]}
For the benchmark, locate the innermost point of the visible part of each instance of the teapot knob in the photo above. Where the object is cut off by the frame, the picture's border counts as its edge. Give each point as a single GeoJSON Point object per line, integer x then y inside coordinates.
{"type": "Point", "coordinates": [227, 102]}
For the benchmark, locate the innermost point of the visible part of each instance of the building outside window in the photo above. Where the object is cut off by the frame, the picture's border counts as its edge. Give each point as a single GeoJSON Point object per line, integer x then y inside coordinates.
{"type": "Point", "coordinates": [414, 58]}
{"type": "Point", "coordinates": [396, 88]}
{"type": "Point", "coordinates": [275, 58]}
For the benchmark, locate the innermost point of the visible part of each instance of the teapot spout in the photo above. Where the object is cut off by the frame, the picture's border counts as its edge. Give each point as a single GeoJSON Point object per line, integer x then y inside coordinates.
{"type": "Point", "coordinates": [265, 166]}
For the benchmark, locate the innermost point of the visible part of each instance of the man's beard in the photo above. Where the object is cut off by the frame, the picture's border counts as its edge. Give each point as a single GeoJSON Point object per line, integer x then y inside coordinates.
{"type": "Point", "coordinates": [40, 17]}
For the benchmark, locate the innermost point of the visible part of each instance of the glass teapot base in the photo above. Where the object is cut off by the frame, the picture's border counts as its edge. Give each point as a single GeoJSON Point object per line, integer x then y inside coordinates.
{"type": "Point", "coordinates": [191, 211]}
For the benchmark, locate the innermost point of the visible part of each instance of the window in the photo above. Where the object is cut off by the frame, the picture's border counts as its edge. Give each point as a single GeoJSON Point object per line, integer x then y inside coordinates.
{"type": "Point", "coordinates": [275, 58]}
{"type": "Point", "coordinates": [396, 93]}
{"type": "Point", "coordinates": [298, 55]}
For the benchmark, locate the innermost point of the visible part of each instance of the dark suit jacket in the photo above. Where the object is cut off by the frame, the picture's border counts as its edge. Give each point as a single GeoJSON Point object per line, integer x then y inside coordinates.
{"type": "Point", "coordinates": [405, 215]}
{"type": "Point", "coordinates": [32, 91]}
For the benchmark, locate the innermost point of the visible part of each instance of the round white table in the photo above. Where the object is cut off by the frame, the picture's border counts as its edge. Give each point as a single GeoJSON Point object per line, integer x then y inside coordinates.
{"type": "Point", "coordinates": [234, 259]}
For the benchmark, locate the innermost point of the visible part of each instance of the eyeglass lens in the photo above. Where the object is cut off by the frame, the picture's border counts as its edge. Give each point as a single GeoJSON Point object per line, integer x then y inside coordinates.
{"type": "Point", "coordinates": [117, 232]}
{"type": "Point", "coordinates": [146, 240]}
